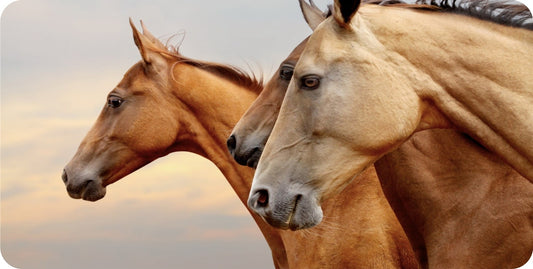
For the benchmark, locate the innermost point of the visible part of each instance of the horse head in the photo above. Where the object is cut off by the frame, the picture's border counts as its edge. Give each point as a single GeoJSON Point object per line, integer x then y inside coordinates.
{"type": "Point", "coordinates": [134, 127]}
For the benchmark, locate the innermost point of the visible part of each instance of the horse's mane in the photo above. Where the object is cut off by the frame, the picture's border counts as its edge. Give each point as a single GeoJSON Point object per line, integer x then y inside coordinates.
{"type": "Point", "coordinates": [231, 73]}
{"type": "Point", "coordinates": [510, 13]}
{"type": "Point", "coordinates": [505, 12]}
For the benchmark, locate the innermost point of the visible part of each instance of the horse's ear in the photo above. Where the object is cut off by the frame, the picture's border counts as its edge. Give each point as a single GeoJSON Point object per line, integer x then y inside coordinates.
{"type": "Point", "coordinates": [152, 38]}
{"type": "Point", "coordinates": [139, 42]}
{"type": "Point", "coordinates": [145, 45]}
{"type": "Point", "coordinates": [344, 11]}
{"type": "Point", "coordinates": [312, 14]}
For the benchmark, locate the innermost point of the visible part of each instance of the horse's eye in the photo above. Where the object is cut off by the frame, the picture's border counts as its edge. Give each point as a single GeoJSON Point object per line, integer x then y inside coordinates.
{"type": "Point", "coordinates": [285, 72]}
{"type": "Point", "coordinates": [310, 82]}
{"type": "Point", "coordinates": [114, 101]}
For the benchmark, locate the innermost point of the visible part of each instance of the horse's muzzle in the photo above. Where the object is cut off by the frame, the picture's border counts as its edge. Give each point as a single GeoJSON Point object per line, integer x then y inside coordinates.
{"type": "Point", "coordinates": [86, 189]}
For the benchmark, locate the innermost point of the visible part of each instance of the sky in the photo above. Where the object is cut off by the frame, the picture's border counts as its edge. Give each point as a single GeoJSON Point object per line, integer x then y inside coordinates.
{"type": "Point", "coordinates": [59, 59]}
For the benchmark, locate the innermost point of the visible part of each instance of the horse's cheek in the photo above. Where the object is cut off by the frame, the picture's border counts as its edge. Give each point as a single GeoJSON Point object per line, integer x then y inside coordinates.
{"type": "Point", "coordinates": [160, 139]}
{"type": "Point", "coordinates": [149, 137]}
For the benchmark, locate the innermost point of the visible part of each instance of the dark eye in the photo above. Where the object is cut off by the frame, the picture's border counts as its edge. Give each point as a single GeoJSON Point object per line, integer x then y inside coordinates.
{"type": "Point", "coordinates": [114, 101]}
{"type": "Point", "coordinates": [285, 72]}
{"type": "Point", "coordinates": [310, 82]}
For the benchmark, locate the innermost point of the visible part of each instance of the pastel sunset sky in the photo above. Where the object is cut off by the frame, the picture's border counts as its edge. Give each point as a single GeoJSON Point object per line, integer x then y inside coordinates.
{"type": "Point", "coordinates": [59, 60]}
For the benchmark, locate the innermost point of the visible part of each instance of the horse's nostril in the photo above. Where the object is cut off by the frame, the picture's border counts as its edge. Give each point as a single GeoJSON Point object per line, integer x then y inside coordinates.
{"type": "Point", "coordinates": [64, 176]}
{"type": "Point", "coordinates": [231, 143]}
{"type": "Point", "coordinates": [262, 198]}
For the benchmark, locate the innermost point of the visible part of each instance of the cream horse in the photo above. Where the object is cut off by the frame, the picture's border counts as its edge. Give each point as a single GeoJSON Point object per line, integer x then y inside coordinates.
{"type": "Point", "coordinates": [368, 79]}
{"type": "Point", "coordinates": [459, 204]}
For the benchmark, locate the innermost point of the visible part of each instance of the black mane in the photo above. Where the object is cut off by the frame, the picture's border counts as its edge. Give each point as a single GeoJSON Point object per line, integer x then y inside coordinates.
{"type": "Point", "coordinates": [510, 13]}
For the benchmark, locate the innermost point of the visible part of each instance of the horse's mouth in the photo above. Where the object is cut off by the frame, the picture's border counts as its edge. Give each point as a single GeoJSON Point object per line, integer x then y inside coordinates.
{"type": "Point", "coordinates": [284, 209]}
{"type": "Point", "coordinates": [93, 194]}
{"type": "Point", "coordinates": [253, 158]}
{"type": "Point", "coordinates": [89, 191]}
{"type": "Point", "coordinates": [290, 224]}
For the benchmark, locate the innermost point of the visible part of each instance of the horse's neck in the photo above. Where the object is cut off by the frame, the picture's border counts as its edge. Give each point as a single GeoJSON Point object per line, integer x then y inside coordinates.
{"type": "Point", "coordinates": [477, 74]}
{"type": "Point", "coordinates": [211, 106]}
{"type": "Point", "coordinates": [441, 184]}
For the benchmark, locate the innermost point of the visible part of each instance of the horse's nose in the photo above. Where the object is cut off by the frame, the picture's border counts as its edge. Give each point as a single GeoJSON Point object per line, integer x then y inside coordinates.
{"type": "Point", "coordinates": [258, 200]}
{"type": "Point", "coordinates": [64, 176]}
{"type": "Point", "coordinates": [231, 143]}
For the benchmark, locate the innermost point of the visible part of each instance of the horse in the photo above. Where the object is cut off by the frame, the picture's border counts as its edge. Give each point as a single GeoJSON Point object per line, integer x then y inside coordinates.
{"type": "Point", "coordinates": [460, 205]}
{"type": "Point", "coordinates": [166, 103]}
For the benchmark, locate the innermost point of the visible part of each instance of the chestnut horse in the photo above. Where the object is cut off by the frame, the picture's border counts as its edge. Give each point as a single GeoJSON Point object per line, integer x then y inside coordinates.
{"type": "Point", "coordinates": [460, 205]}
{"type": "Point", "coordinates": [168, 103]}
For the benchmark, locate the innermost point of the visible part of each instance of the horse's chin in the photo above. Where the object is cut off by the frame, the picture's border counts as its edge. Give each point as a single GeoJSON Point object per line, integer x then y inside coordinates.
{"type": "Point", "coordinates": [94, 196]}
{"type": "Point", "coordinates": [306, 214]}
